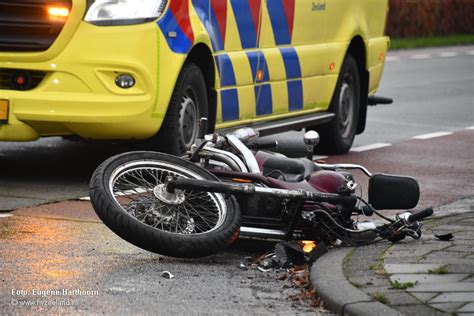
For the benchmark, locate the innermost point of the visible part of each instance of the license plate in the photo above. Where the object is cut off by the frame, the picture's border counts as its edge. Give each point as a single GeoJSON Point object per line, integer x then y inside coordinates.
{"type": "Point", "coordinates": [4, 111]}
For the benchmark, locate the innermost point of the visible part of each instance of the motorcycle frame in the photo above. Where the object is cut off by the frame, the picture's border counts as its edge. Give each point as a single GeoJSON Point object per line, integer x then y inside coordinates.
{"type": "Point", "coordinates": [299, 197]}
{"type": "Point", "coordinates": [246, 168]}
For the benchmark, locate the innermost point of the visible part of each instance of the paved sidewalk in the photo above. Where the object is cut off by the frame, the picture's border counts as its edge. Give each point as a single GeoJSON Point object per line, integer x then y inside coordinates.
{"type": "Point", "coordinates": [412, 277]}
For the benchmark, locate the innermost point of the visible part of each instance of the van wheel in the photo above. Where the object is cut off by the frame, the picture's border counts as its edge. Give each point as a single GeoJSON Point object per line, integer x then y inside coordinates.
{"type": "Point", "coordinates": [338, 135]}
{"type": "Point", "coordinates": [188, 104]}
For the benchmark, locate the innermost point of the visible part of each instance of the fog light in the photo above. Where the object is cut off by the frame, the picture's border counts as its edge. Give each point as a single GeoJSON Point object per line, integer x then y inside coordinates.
{"type": "Point", "coordinates": [125, 81]}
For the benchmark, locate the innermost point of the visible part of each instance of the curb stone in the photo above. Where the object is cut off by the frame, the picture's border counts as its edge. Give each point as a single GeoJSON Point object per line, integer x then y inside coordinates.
{"type": "Point", "coordinates": [335, 290]}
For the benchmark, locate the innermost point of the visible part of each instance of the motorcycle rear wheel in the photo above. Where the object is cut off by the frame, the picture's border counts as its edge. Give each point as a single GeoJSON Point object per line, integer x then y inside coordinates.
{"type": "Point", "coordinates": [127, 193]}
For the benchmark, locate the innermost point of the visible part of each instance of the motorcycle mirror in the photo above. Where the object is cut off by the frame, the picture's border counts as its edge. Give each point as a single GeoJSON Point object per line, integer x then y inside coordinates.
{"type": "Point", "coordinates": [311, 138]}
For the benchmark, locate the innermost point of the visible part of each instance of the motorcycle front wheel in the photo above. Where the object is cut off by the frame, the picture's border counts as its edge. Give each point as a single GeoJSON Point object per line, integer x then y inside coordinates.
{"type": "Point", "coordinates": [128, 194]}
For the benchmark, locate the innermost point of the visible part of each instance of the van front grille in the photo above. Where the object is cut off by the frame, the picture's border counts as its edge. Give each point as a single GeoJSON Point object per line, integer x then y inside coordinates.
{"type": "Point", "coordinates": [26, 25]}
{"type": "Point", "coordinates": [20, 79]}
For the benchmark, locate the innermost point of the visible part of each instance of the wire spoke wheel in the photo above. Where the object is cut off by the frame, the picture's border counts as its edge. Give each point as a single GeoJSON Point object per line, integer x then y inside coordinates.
{"type": "Point", "coordinates": [128, 193]}
{"type": "Point", "coordinates": [138, 187]}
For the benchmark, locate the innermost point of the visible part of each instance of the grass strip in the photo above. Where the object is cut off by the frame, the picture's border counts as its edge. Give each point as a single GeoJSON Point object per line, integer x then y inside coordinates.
{"type": "Point", "coordinates": [432, 41]}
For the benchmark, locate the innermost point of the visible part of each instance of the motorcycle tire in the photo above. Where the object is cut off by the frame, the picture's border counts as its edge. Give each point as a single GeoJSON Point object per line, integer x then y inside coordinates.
{"type": "Point", "coordinates": [127, 193]}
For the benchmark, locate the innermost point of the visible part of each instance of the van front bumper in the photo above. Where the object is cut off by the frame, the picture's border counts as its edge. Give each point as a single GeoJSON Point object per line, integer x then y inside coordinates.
{"type": "Point", "coordinates": [78, 94]}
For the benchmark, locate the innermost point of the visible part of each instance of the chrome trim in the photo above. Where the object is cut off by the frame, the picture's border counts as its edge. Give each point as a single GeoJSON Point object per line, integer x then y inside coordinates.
{"type": "Point", "coordinates": [261, 232]}
{"type": "Point", "coordinates": [293, 123]}
{"type": "Point", "coordinates": [249, 158]}
{"type": "Point", "coordinates": [229, 155]}
{"type": "Point", "coordinates": [281, 192]}
{"type": "Point", "coordinates": [344, 166]}
{"type": "Point", "coordinates": [285, 124]}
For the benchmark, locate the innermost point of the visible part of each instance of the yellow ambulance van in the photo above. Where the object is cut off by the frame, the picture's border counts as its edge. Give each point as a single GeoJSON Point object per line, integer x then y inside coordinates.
{"type": "Point", "coordinates": [138, 69]}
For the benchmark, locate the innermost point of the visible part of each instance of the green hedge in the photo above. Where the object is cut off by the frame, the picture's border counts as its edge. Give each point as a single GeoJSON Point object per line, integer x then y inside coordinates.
{"type": "Point", "coordinates": [419, 18]}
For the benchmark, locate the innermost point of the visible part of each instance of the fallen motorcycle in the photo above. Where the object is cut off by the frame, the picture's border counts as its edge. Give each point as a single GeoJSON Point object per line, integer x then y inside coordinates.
{"type": "Point", "coordinates": [237, 184]}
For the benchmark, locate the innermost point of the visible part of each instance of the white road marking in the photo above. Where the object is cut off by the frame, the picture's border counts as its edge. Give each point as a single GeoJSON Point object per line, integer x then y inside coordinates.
{"type": "Point", "coordinates": [85, 198]}
{"type": "Point", "coordinates": [471, 52]}
{"type": "Point", "coordinates": [470, 128]}
{"type": "Point", "coordinates": [448, 54]}
{"type": "Point", "coordinates": [421, 56]}
{"type": "Point", "coordinates": [433, 135]}
{"type": "Point", "coordinates": [370, 147]}
{"type": "Point", "coordinates": [5, 215]}
{"type": "Point", "coordinates": [392, 58]}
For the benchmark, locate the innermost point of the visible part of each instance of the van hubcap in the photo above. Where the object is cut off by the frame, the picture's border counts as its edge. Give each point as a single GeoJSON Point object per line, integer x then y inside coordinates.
{"type": "Point", "coordinates": [346, 107]}
{"type": "Point", "coordinates": [188, 120]}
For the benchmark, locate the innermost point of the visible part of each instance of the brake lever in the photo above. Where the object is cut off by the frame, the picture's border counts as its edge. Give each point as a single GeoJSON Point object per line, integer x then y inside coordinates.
{"type": "Point", "coordinates": [195, 155]}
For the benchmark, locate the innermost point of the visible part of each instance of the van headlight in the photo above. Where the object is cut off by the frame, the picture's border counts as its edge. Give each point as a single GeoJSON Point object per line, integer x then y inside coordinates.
{"type": "Point", "coordinates": [123, 12]}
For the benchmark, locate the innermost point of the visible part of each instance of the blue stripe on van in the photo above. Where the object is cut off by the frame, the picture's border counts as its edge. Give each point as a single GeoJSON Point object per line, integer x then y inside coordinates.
{"type": "Point", "coordinates": [263, 93]}
{"type": "Point", "coordinates": [225, 70]}
{"type": "Point", "coordinates": [295, 95]}
{"type": "Point", "coordinates": [179, 44]}
{"type": "Point", "coordinates": [245, 24]}
{"type": "Point", "coordinates": [253, 60]}
{"type": "Point", "coordinates": [258, 63]}
{"type": "Point", "coordinates": [292, 63]}
{"type": "Point", "coordinates": [279, 22]}
{"type": "Point", "coordinates": [230, 105]}
{"type": "Point", "coordinates": [203, 9]}
{"type": "Point", "coordinates": [264, 67]}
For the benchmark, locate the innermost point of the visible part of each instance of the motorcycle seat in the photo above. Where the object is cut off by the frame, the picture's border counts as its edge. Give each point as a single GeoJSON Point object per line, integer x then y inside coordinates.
{"type": "Point", "coordinates": [289, 169]}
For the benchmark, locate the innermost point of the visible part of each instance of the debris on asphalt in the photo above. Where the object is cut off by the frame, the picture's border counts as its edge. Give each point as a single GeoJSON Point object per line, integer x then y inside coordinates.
{"type": "Point", "coordinates": [167, 275]}
{"type": "Point", "coordinates": [444, 237]}
{"type": "Point", "coordinates": [307, 296]}
{"type": "Point", "coordinates": [287, 255]}
{"type": "Point", "coordinates": [262, 269]}
{"type": "Point", "coordinates": [290, 261]}
{"type": "Point", "coordinates": [242, 266]}
{"type": "Point", "coordinates": [290, 254]}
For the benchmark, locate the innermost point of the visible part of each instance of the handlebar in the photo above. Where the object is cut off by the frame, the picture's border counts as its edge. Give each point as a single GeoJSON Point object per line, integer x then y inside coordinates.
{"type": "Point", "coordinates": [420, 215]}
{"type": "Point", "coordinates": [289, 147]}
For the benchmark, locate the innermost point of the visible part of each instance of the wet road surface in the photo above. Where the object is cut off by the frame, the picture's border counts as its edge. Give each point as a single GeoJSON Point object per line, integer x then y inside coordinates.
{"type": "Point", "coordinates": [45, 250]}
{"type": "Point", "coordinates": [65, 247]}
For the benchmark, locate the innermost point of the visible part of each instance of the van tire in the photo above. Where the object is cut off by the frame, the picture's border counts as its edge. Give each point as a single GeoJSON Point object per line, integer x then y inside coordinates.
{"type": "Point", "coordinates": [337, 136]}
{"type": "Point", "coordinates": [189, 103]}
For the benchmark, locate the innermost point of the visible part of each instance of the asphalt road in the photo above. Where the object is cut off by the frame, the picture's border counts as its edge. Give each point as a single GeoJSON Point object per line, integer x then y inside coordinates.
{"type": "Point", "coordinates": [70, 254]}
{"type": "Point", "coordinates": [432, 93]}
{"type": "Point", "coordinates": [64, 246]}
{"type": "Point", "coordinates": [433, 90]}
